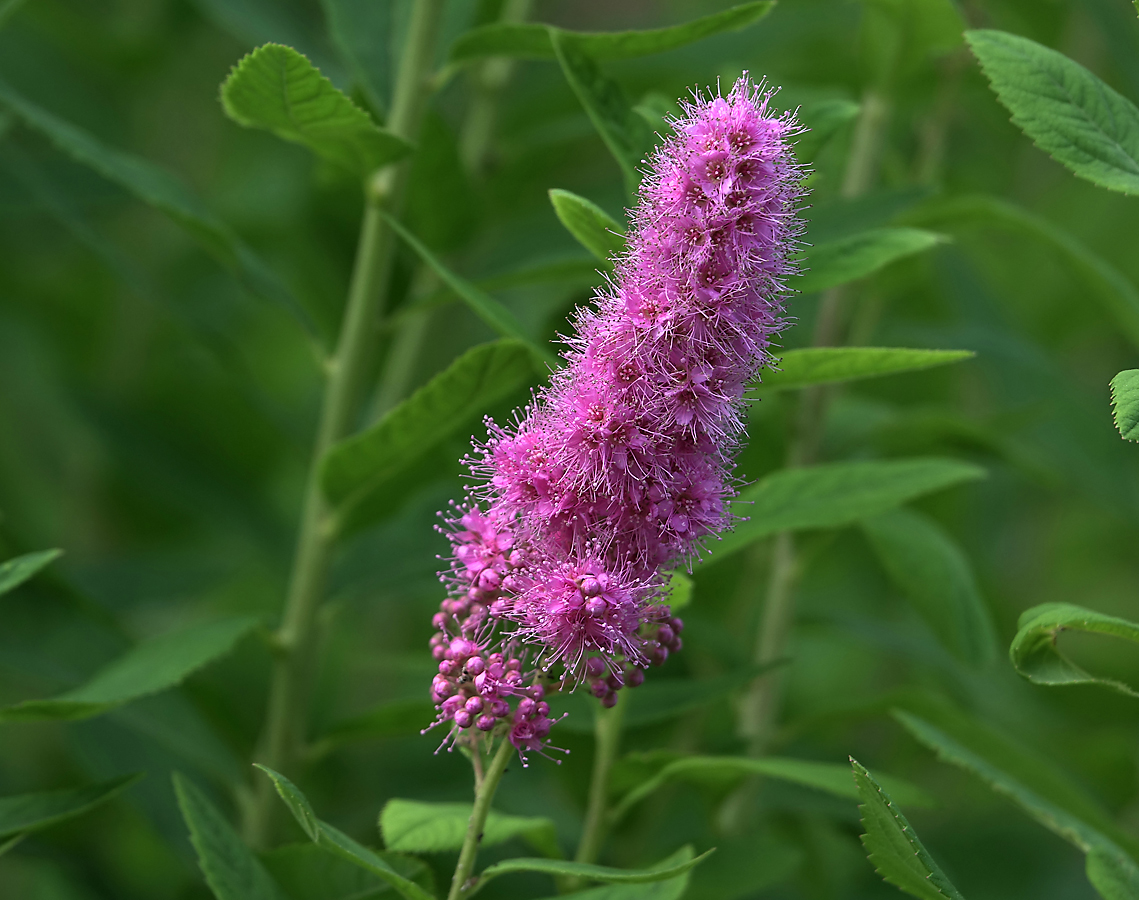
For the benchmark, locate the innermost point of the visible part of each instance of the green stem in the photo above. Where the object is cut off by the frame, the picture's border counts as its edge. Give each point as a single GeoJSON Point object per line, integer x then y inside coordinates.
{"type": "Point", "coordinates": [485, 788]}
{"type": "Point", "coordinates": [607, 740]}
{"type": "Point", "coordinates": [287, 713]}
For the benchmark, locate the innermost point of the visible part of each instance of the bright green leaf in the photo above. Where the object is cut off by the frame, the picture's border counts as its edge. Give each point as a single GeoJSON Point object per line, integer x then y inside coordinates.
{"type": "Point", "coordinates": [834, 495]}
{"type": "Point", "coordinates": [278, 89]}
{"type": "Point", "coordinates": [231, 869]}
{"type": "Point", "coordinates": [670, 889]}
{"type": "Point", "coordinates": [24, 813]}
{"type": "Point", "coordinates": [532, 40]}
{"type": "Point", "coordinates": [859, 255]}
{"type": "Point", "coordinates": [296, 802]}
{"type": "Point", "coordinates": [1112, 873]}
{"type": "Point", "coordinates": [154, 665]}
{"type": "Point", "coordinates": [679, 591]}
{"type": "Point", "coordinates": [411, 826]}
{"type": "Point", "coordinates": [893, 847]}
{"type": "Point", "coordinates": [1034, 652]}
{"type": "Point", "coordinates": [935, 575]}
{"type": "Point", "coordinates": [833, 365]}
{"type": "Point", "coordinates": [668, 868]}
{"type": "Point", "coordinates": [14, 572]}
{"type": "Point", "coordinates": [1125, 400]}
{"type": "Point", "coordinates": [1067, 111]}
{"type": "Point", "coordinates": [594, 228]}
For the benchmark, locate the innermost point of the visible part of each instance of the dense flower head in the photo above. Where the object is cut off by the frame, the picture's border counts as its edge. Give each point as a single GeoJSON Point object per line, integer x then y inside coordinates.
{"type": "Point", "coordinates": [622, 466]}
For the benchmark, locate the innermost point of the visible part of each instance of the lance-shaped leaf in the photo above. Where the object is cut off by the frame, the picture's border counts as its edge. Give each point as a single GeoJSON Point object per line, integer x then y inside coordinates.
{"type": "Point", "coordinates": [860, 255]}
{"type": "Point", "coordinates": [893, 846]}
{"type": "Point", "coordinates": [596, 230]}
{"type": "Point", "coordinates": [154, 665]}
{"type": "Point", "coordinates": [834, 365]}
{"type": "Point", "coordinates": [356, 471]}
{"type": "Point", "coordinates": [1125, 403]}
{"type": "Point", "coordinates": [935, 575]}
{"type": "Point", "coordinates": [834, 495]}
{"type": "Point", "coordinates": [14, 572]}
{"type": "Point", "coordinates": [669, 889]}
{"type": "Point", "coordinates": [1034, 652]}
{"type": "Point", "coordinates": [278, 89]}
{"type": "Point", "coordinates": [157, 187]}
{"type": "Point", "coordinates": [532, 40]}
{"type": "Point", "coordinates": [662, 871]}
{"type": "Point", "coordinates": [411, 826]}
{"type": "Point", "coordinates": [1067, 111]}
{"type": "Point", "coordinates": [24, 813]}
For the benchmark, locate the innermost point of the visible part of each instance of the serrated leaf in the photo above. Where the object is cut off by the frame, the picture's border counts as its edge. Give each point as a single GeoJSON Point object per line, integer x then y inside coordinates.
{"type": "Point", "coordinates": [15, 571]}
{"type": "Point", "coordinates": [532, 40]}
{"type": "Point", "coordinates": [154, 665]}
{"type": "Point", "coordinates": [834, 495]}
{"type": "Point", "coordinates": [355, 471]}
{"type": "Point", "coordinates": [1067, 111]}
{"type": "Point", "coordinates": [1125, 403]}
{"type": "Point", "coordinates": [230, 868]}
{"type": "Point", "coordinates": [21, 814]}
{"type": "Point", "coordinates": [670, 889]}
{"type": "Point", "coordinates": [278, 89]}
{"type": "Point", "coordinates": [834, 365]}
{"type": "Point", "coordinates": [850, 258]}
{"type": "Point", "coordinates": [596, 230]}
{"type": "Point", "coordinates": [1034, 652]}
{"type": "Point", "coordinates": [296, 802]}
{"type": "Point", "coordinates": [934, 573]}
{"type": "Point", "coordinates": [412, 826]}
{"type": "Point", "coordinates": [662, 871]}
{"type": "Point", "coordinates": [894, 848]}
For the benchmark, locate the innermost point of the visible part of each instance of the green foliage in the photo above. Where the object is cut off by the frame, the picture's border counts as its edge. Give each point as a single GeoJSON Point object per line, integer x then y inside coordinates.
{"type": "Point", "coordinates": [24, 813]}
{"type": "Point", "coordinates": [1125, 400]}
{"type": "Point", "coordinates": [895, 850]}
{"type": "Point", "coordinates": [823, 119]}
{"type": "Point", "coordinates": [859, 255]}
{"type": "Point", "coordinates": [1034, 652]}
{"type": "Point", "coordinates": [835, 365]}
{"type": "Point", "coordinates": [668, 889]}
{"type": "Point", "coordinates": [411, 826]}
{"type": "Point", "coordinates": [666, 869]}
{"type": "Point", "coordinates": [596, 230]}
{"type": "Point", "coordinates": [1067, 111]}
{"type": "Point", "coordinates": [14, 572]}
{"type": "Point", "coordinates": [278, 89]}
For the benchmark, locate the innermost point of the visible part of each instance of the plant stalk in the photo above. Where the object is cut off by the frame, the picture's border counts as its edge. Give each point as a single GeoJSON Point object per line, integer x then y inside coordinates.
{"type": "Point", "coordinates": [484, 794]}
{"type": "Point", "coordinates": [607, 741]}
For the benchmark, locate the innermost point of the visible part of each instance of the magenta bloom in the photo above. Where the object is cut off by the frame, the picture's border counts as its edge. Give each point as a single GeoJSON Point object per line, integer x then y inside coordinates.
{"type": "Point", "coordinates": [622, 466]}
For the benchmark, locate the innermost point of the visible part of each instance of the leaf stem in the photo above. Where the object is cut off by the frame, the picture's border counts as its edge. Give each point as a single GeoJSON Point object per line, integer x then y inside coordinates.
{"type": "Point", "coordinates": [484, 795]}
{"type": "Point", "coordinates": [607, 741]}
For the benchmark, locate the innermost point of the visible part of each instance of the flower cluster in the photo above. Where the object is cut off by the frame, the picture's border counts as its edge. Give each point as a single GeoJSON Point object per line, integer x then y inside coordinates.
{"type": "Point", "coordinates": [622, 466]}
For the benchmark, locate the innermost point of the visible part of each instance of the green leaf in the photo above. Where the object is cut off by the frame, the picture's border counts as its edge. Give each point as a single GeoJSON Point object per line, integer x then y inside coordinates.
{"type": "Point", "coordinates": [309, 872]}
{"type": "Point", "coordinates": [625, 133]}
{"type": "Point", "coordinates": [934, 573]}
{"type": "Point", "coordinates": [356, 471]}
{"type": "Point", "coordinates": [828, 777]}
{"type": "Point", "coordinates": [411, 826]}
{"type": "Point", "coordinates": [834, 495]}
{"type": "Point", "coordinates": [678, 594]}
{"type": "Point", "coordinates": [15, 571]}
{"type": "Point", "coordinates": [278, 89]}
{"type": "Point", "coordinates": [862, 254]}
{"type": "Point", "coordinates": [361, 30]}
{"type": "Point", "coordinates": [151, 666]}
{"type": "Point", "coordinates": [667, 868]}
{"type": "Point", "coordinates": [156, 187]}
{"type": "Point", "coordinates": [296, 802]}
{"type": "Point", "coordinates": [833, 365]}
{"type": "Point", "coordinates": [670, 889]}
{"type": "Point", "coordinates": [1124, 399]}
{"type": "Point", "coordinates": [497, 316]}
{"type": "Point", "coordinates": [24, 813]}
{"type": "Point", "coordinates": [533, 41]}
{"type": "Point", "coordinates": [893, 847]}
{"type": "Point", "coordinates": [399, 718]}
{"type": "Point", "coordinates": [594, 228]}
{"type": "Point", "coordinates": [824, 119]}
{"type": "Point", "coordinates": [1034, 652]}
{"type": "Point", "coordinates": [1113, 874]}
{"type": "Point", "coordinates": [231, 869]}
{"type": "Point", "coordinates": [1067, 111]}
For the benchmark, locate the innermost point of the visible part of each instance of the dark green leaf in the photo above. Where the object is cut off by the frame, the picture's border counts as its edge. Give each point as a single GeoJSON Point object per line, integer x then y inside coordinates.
{"type": "Point", "coordinates": [231, 869]}
{"type": "Point", "coordinates": [823, 119]}
{"type": "Point", "coordinates": [670, 889]}
{"type": "Point", "coordinates": [662, 871]}
{"type": "Point", "coordinates": [411, 826]}
{"type": "Point", "coordinates": [362, 33]}
{"type": "Point", "coordinates": [594, 228]}
{"type": "Point", "coordinates": [1125, 400]}
{"type": "Point", "coordinates": [24, 813]}
{"type": "Point", "coordinates": [532, 41]}
{"type": "Point", "coordinates": [296, 802]}
{"type": "Point", "coordinates": [1034, 652]}
{"type": "Point", "coordinates": [399, 718]}
{"type": "Point", "coordinates": [893, 847]}
{"type": "Point", "coordinates": [833, 365]}
{"type": "Point", "coordinates": [152, 666]}
{"type": "Point", "coordinates": [834, 495]}
{"type": "Point", "coordinates": [935, 575]}
{"type": "Point", "coordinates": [308, 872]}
{"type": "Point", "coordinates": [1067, 111]}
{"type": "Point", "coordinates": [859, 255]}
{"type": "Point", "coordinates": [14, 572]}
{"type": "Point", "coordinates": [355, 471]}
{"type": "Point", "coordinates": [278, 89]}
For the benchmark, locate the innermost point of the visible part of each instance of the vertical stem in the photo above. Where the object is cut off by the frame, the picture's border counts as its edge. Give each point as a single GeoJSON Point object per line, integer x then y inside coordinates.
{"type": "Point", "coordinates": [287, 713]}
{"type": "Point", "coordinates": [607, 740]}
{"type": "Point", "coordinates": [484, 794]}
